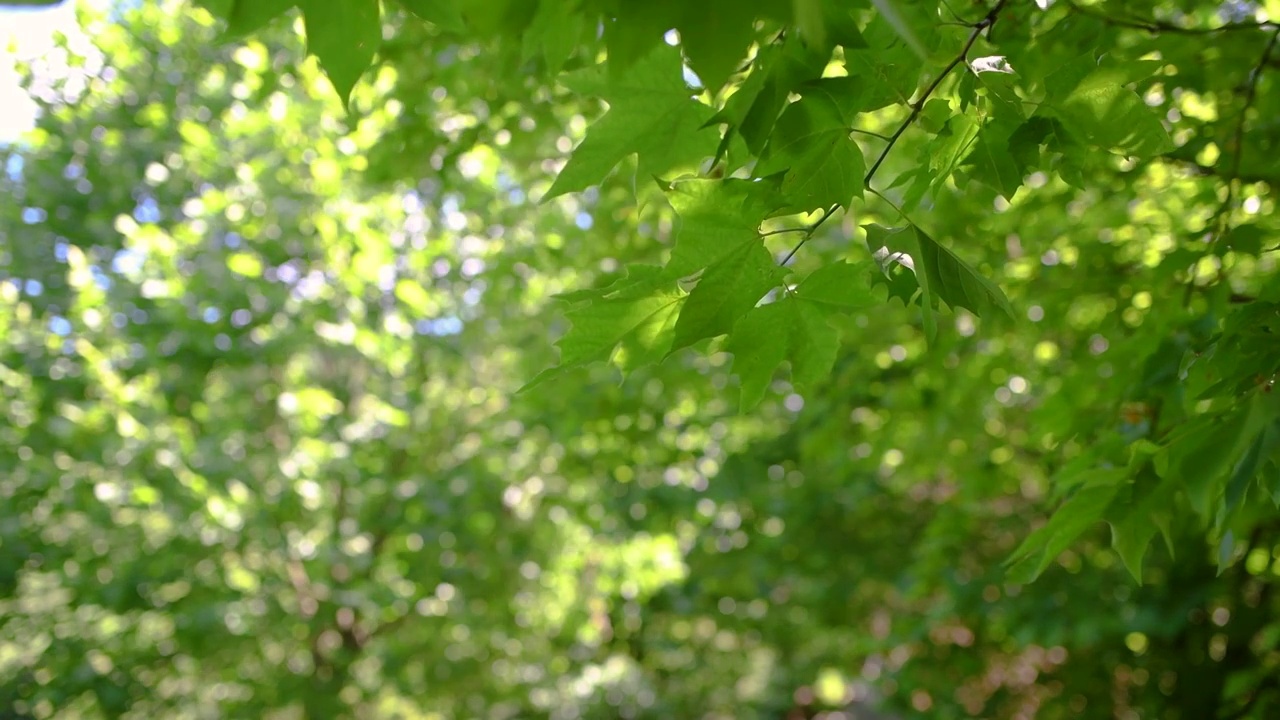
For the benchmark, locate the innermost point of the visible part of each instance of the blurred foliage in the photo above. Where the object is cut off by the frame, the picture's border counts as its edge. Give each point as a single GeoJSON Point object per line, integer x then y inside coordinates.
{"type": "Point", "coordinates": [262, 452]}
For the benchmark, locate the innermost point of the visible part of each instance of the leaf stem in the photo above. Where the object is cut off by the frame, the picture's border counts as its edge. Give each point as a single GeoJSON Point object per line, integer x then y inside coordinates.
{"type": "Point", "coordinates": [809, 230]}
{"type": "Point", "coordinates": [868, 132]}
{"type": "Point", "coordinates": [783, 231]}
{"type": "Point", "coordinates": [891, 203]}
{"type": "Point", "coordinates": [918, 105]}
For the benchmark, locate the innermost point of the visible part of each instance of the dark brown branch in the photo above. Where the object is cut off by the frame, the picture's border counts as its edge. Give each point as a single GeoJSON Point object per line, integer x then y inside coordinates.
{"type": "Point", "coordinates": [983, 24]}
{"type": "Point", "coordinates": [918, 105]}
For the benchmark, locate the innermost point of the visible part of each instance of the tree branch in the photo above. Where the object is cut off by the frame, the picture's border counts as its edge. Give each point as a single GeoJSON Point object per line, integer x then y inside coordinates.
{"type": "Point", "coordinates": [918, 105]}
{"type": "Point", "coordinates": [1160, 26]}
{"type": "Point", "coordinates": [983, 24]}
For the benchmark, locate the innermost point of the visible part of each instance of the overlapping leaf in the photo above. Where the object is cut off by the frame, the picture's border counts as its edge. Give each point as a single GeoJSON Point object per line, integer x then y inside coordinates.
{"type": "Point", "coordinates": [725, 292]}
{"type": "Point", "coordinates": [940, 273]}
{"type": "Point", "coordinates": [823, 165]}
{"type": "Point", "coordinates": [789, 330]}
{"type": "Point", "coordinates": [777, 70]}
{"type": "Point", "coordinates": [797, 330]}
{"type": "Point", "coordinates": [1081, 511]}
{"type": "Point", "coordinates": [1103, 112]}
{"type": "Point", "coordinates": [631, 322]}
{"type": "Point", "coordinates": [553, 35]}
{"type": "Point", "coordinates": [441, 13]}
{"type": "Point", "coordinates": [651, 114]}
{"type": "Point", "coordinates": [249, 16]}
{"type": "Point", "coordinates": [716, 218]}
{"type": "Point", "coordinates": [719, 238]}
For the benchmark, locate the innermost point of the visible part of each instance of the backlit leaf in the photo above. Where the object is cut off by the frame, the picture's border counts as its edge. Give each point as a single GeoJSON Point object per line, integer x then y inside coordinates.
{"type": "Point", "coordinates": [725, 292]}
{"type": "Point", "coordinates": [1106, 114]}
{"type": "Point", "coordinates": [249, 16]}
{"type": "Point", "coordinates": [823, 165]}
{"type": "Point", "coordinates": [442, 13]}
{"type": "Point", "coordinates": [652, 114]}
{"type": "Point", "coordinates": [791, 330]}
{"type": "Point", "coordinates": [344, 36]}
{"type": "Point", "coordinates": [1080, 512]}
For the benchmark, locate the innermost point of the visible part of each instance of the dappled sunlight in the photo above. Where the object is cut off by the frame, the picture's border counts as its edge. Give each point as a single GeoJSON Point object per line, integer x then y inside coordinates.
{"type": "Point", "coordinates": [417, 378]}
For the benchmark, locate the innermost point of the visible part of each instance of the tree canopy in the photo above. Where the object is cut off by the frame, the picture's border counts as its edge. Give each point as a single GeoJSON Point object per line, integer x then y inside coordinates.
{"type": "Point", "coordinates": [644, 358]}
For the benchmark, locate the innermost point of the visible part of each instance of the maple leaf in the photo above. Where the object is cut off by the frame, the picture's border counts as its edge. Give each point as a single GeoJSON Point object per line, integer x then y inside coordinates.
{"type": "Point", "coordinates": [791, 330]}
{"type": "Point", "coordinates": [344, 37]}
{"type": "Point", "coordinates": [823, 165]}
{"type": "Point", "coordinates": [727, 291]}
{"type": "Point", "coordinates": [652, 113]}
{"type": "Point", "coordinates": [716, 217]}
{"type": "Point", "coordinates": [635, 315]}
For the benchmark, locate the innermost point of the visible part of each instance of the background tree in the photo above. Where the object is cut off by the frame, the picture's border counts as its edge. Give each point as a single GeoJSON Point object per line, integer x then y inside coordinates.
{"type": "Point", "coordinates": [263, 342]}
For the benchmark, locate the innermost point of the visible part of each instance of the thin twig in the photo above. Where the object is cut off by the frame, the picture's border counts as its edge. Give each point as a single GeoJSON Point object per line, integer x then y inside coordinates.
{"type": "Point", "coordinates": [784, 231]}
{"type": "Point", "coordinates": [1160, 26]}
{"type": "Point", "coordinates": [795, 249]}
{"type": "Point", "coordinates": [808, 231]}
{"type": "Point", "coordinates": [955, 14]}
{"type": "Point", "coordinates": [918, 105]}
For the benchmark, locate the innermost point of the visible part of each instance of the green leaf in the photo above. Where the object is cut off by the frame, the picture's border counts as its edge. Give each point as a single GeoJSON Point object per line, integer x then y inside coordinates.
{"type": "Point", "coordinates": [344, 37]}
{"type": "Point", "coordinates": [1204, 451]}
{"type": "Point", "coordinates": [1262, 447]}
{"type": "Point", "coordinates": [444, 14]}
{"type": "Point", "coordinates": [553, 36]}
{"type": "Point", "coordinates": [1247, 238]}
{"type": "Point", "coordinates": [778, 69]}
{"type": "Point", "coordinates": [715, 35]}
{"type": "Point", "coordinates": [811, 21]}
{"type": "Point", "coordinates": [1149, 510]}
{"type": "Point", "coordinates": [904, 248]}
{"type": "Point", "coordinates": [1081, 511]}
{"type": "Point", "coordinates": [717, 217]}
{"type": "Point", "coordinates": [877, 78]}
{"type": "Point", "coordinates": [789, 330]}
{"type": "Point", "coordinates": [934, 115]}
{"type": "Point", "coordinates": [944, 274]}
{"type": "Point", "coordinates": [951, 147]}
{"type": "Point", "coordinates": [1226, 550]}
{"type": "Point", "coordinates": [248, 16]}
{"type": "Point", "coordinates": [220, 9]}
{"type": "Point", "coordinates": [637, 320]}
{"type": "Point", "coordinates": [1106, 114]}
{"type": "Point", "coordinates": [894, 13]}
{"type": "Point", "coordinates": [840, 285]}
{"type": "Point", "coordinates": [652, 114]}
{"type": "Point", "coordinates": [823, 165]}
{"type": "Point", "coordinates": [1000, 82]}
{"type": "Point", "coordinates": [995, 165]}
{"type": "Point", "coordinates": [727, 290]}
